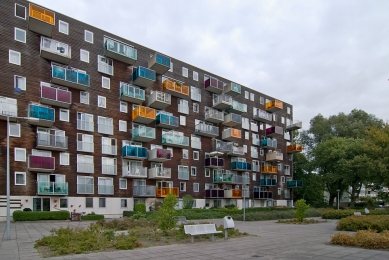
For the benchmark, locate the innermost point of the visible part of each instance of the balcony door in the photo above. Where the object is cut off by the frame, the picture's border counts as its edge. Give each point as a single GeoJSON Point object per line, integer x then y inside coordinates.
{"type": "Point", "coordinates": [41, 204]}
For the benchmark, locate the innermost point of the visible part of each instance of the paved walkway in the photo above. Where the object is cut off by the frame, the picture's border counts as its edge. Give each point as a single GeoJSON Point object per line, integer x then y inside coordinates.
{"type": "Point", "coordinates": [273, 241]}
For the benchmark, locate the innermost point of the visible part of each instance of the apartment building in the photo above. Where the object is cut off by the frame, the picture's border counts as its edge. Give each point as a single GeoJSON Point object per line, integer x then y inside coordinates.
{"type": "Point", "coordinates": [98, 123]}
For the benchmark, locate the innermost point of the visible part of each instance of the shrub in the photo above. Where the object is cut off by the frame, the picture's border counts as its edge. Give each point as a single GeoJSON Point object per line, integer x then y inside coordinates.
{"type": "Point", "coordinates": [140, 208]}
{"type": "Point", "coordinates": [273, 215]}
{"type": "Point", "coordinates": [188, 201]}
{"type": "Point", "coordinates": [92, 217]}
{"type": "Point", "coordinates": [363, 238]}
{"type": "Point", "coordinates": [167, 212]}
{"type": "Point", "coordinates": [354, 223]}
{"type": "Point", "coordinates": [19, 215]}
{"type": "Point", "coordinates": [338, 214]}
{"type": "Point", "coordinates": [301, 208]}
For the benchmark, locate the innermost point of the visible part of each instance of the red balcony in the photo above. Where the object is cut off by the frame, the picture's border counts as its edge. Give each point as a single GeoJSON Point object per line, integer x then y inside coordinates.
{"type": "Point", "coordinates": [56, 97]}
{"type": "Point", "coordinates": [41, 163]}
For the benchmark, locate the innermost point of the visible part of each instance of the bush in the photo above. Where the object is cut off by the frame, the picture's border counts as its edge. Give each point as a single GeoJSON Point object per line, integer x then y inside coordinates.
{"type": "Point", "coordinates": [354, 223]}
{"type": "Point", "coordinates": [166, 213]}
{"type": "Point", "coordinates": [92, 217]}
{"type": "Point", "coordinates": [363, 238]}
{"type": "Point", "coordinates": [140, 208]}
{"type": "Point", "coordinates": [127, 213]}
{"type": "Point", "coordinates": [301, 208]}
{"type": "Point", "coordinates": [338, 214]}
{"type": "Point", "coordinates": [273, 215]}
{"type": "Point", "coordinates": [188, 201]}
{"type": "Point", "coordinates": [19, 215]}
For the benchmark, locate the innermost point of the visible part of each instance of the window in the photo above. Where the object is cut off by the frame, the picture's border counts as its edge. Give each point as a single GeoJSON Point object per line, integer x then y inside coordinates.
{"type": "Point", "coordinates": [88, 202]}
{"type": "Point", "coordinates": [122, 126]}
{"type": "Point", "coordinates": [20, 82]}
{"type": "Point", "coordinates": [196, 107]}
{"type": "Point", "coordinates": [195, 76]}
{"type": "Point", "coordinates": [88, 36]}
{"type": "Point", "coordinates": [282, 179]}
{"type": "Point", "coordinates": [85, 122]}
{"type": "Point", "coordinates": [247, 135]}
{"type": "Point", "coordinates": [123, 107]}
{"type": "Point", "coordinates": [274, 117]}
{"type": "Point", "coordinates": [184, 154]}
{"type": "Point", "coordinates": [279, 167]}
{"type": "Point", "coordinates": [196, 155]}
{"type": "Point", "coordinates": [20, 11]}
{"type": "Point", "coordinates": [171, 67]}
{"type": "Point", "coordinates": [20, 154]}
{"type": "Point", "coordinates": [261, 153]}
{"type": "Point", "coordinates": [183, 106]}
{"type": "Point", "coordinates": [108, 166]}
{"type": "Point", "coordinates": [20, 35]}
{"type": "Point", "coordinates": [184, 72]}
{"type": "Point", "coordinates": [207, 172]}
{"type": "Point", "coordinates": [14, 130]}
{"type": "Point", "coordinates": [64, 114]}
{"type": "Point", "coordinates": [288, 110]}
{"type": "Point", "coordinates": [101, 101]}
{"type": "Point", "coordinates": [195, 187]}
{"type": "Point", "coordinates": [245, 123]}
{"type": "Point", "coordinates": [182, 120]}
{"type": "Point", "coordinates": [101, 202]}
{"type": "Point", "coordinates": [84, 55]}
{"type": "Point", "coordinates": [84, 97]}
{"type": "Point", "coordinates": [193, 171]}
{"type": "Point", "coordinates": [64, 159]}
{"type": "Point", "coordinates": [122, 184]}
{"type": "Point", "coordinates": [245, 148]}
{"type": "Point", "coordinates": [279, 191]}
{"type": "Point", "coordinates": [15, 57]}
{"type": "Point", "coordinates": [105, 125]}
{"type": "Point", "coordinates": [85, 185]}
{"type": "Point", "coordinates": [262, 100]}
{"type": "Point", "coordinates": [105, 82]}
{"type": "Point", "coordinates": [63, 27]}
{"type": "Point", "coordinates": [63, 203]}
{"type": "Point", "coordinates": [254, 176]}
{"type": "Point", "coordinates": [85, 163]}
{"type": "Point", "coordinates": [182, 186]}
{"type": "Point", "coordinates": [123, 203]}
{"type": "Point", "coordinates": [283, 120]}
{"type": "Point", "coordinates": [252, 96]}
{"type": "Point", "coordinates": [20, 178]}
{"type": "Point", "coordinates": [246, 95]}
{"type": "Point", "coordinates": [195, 94]}
{"type": "Point", "coordinates": [171, 151]}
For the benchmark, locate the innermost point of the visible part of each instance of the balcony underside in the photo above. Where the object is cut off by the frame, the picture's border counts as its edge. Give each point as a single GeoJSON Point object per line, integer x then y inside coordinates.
{"type": "Point", "coordinates": [131, 99]}
{"type": "Point", "coordinates": [52, 102]}
{"type": "Point", "coordinates": [40, 27]}
{"type": "Point", "coordinates": [55, 57]}
{"type": "Point", "coordinates": [40, 122]}
{"type": "Point", "coordinates": [68, 84]}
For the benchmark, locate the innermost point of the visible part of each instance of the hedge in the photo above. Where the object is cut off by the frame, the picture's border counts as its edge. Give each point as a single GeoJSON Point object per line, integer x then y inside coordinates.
{"type": "Point", "coordinates": [355, 223]}
{"type": "Point", "coordinates": [127, 213]}
{"type": "Point", "coordinates": [92, 217]}
{"type": "Point", "coordinates": [338, 214]}
{"type": "Point", "coordinates": [273, 215]}
{"type": "Point", "coordinates": [19, 215]}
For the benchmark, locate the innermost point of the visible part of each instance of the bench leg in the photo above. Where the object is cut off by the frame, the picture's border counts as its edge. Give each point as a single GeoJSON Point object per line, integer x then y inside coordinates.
{"type": "Point", "coordinates": [191, 239]}
{"type": "Point", "coordinates": [212, 237]}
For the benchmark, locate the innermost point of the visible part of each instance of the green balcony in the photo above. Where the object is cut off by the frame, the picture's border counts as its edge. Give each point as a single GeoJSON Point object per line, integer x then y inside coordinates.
{"type": "Point", "coordinates": [175, 139]}
{"type": "Point", "coordinates": [131, 93]}
{"type": "Point", "coordinates": [120, 51]}
{"type": "Point", "coordinates": [52, 188]}
{"type": "Point", "coordinates": [143, 134]}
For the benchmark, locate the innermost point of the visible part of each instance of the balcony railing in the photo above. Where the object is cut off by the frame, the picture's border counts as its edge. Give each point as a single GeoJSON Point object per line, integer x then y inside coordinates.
{"type": "Point", "coordinates": [131, 94]}
{"type": "Point", "coordinates": [232, 119]}
{"type": "Point", "coordinates": [166, 121]}
{"type": "Point", "coordinates": [233, 89]}
{"type": "Point", "coordinates": [159, 155]}
{"type": "Point", "coordinates": [40, 115]}
{"type": "Point", "coordinates": [55, 50]}
{"type": "Point", "coordinates": [159, 100]}
{"type": "Point", "coordinates": [70, 77]}
{"type": "Point", "coordinates": [105, 189]}
{"type": "Point", "coordinates": [143, 133]}
{"type": "Point", "coordinates": [184, 109]}
{"type": "Point", "coordinates": [143, 115]}
{"type": "Point", "coordinates": [206, 130]}
{"type": "Point", "coordinates": [41, 163]}
{"type": "Point", "coordinates": [222, 178]}
{"type": "Point", "coordinates": [231, 134]}
{"type": "Point", "coordinates": [85, 125]}
{"type": "Point", "coordinates": [214, 116]}
{"type": "Point", "coordinates": [85, 167]}
{"type": "Point", "coordinates": [134, 152]}
{"type": "Point", "coordinates": [175, 139]}
{"type": "Point", "coordinates": [237, 107]}
{"type": "Point", "coordinates": [241, 166]}
{"type": "Point", "coordinates": [262, 116]}
{"type": "Point", "coordinates": [109, 149]}
{"type": "Point", "coordinates": [269, 143]}
{"type": "Point", "coordinates": [143, 191]}
{"type": "Point", "coordinates": [109, 169]}
{"type": "Point", "coordinates": [183, 175]}
{"type": "Point", "coordinates": [214, 193]}
{"type": "Point", "coordinates": [229, 148]}
{"type": "Point", "coordinates": [134, 172]}
{"type": "Point", "coordinates": [269, 169]}
{"type": "Point", "coordinates": [294, 125]}
{"type": "Point", "coordinates": [175, 88]}
{"type": "Point", "coordinates": [267, 182]}
{"type": "Point", "coordinates": [294, 184]}
{"type": "Point", "coordinates": [240, 179]}
{"type": "Point", "coordinates": [294, 148]}
{"type": "Point", "coordinates": [160, 63]}
{"type": "Point", "coordinates": [51, 142]}
{"type": "Point", "coordinates": [214, 162]}
{"type": "Point", "coordinates": [274, 105]}
{"type": "Point", "coordinates": [85, 146]}
{"type": "Point", "coordinates": [274, 130]}
{"type": "Point", "coordinates": [41, 20]}
{"type": "Point", "coordinates": [8, 107]}
{"type": "Point", "coordinates": [274, 156]}
{"type": "Point", "coordinates": [56, 96]}
{"type": "Point", "coordinates": [52, 188]}
{"type": "Point", "coordinates": [85, 188]}
{"type": "Point", "coordinates": [214, 85]}
{"type": "Point", "coordinates": [263, 195]}
{"type": "Point", "coordinates": [143, 77]}
{"type": "Point", "coordinates": [232, 194]}
{"type": "Point", "coordinates": [221, 101]}
{"type": "Point", "coordinates": [164, 191]}
{"type": "Point", "coordinates": [105, 129]}
{"type": "Point", "coordinates": [120, 51]}
{"type": "Point", "coordinates": [160, 173]}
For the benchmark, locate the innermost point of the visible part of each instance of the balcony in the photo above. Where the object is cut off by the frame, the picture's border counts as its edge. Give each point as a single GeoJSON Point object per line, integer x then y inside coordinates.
{"type": "Point", "coordinates": [295, 125]}
{"type": "Point", "coordinates": [109, 149]}
{"type": "Point", "coordinates": [232, 135]}
{"type": "Point", "coordinates": [228, 148]}
{"type": "Point", "coordinates": [235, 150]}
{"type": "Point", "coordinates": [269, 169]}
{"type": "Point", "coordinates": [159, 155]}
{"type": "Point", "coordinates": [69, 77]}
{"type": "Point", "coordinates": [143, 115]}
{"type": "Point", "coordinates": [41, 163]}
{"type": "Point", "coordinates": [164, 191]}
{"type": "Point", "coordinates": [233, 89]}
{"type": "Point", "coordinates": [134, 172]}
{"type": "Point", "coordinates": [268, 182]}
{"type": "Point", "coordinates": [41, 20]}
{"type": "Point", "coordinates": [55, 51]}
{"type": "Point", "coordinates": [109, 169]}
{"type": "Point", "coordinates": [143, 134]}
{"type": "Point", "coordinates": [294, 184]}
{"type": "Point", "coordinates": [160, 63]}
{"type": "Point", "coordinates": [134, 152]}
{"type": "Point", "coordinates": [55, 97]}
{"type": "Point", "coordinates": [262, 116]}
{"type": "Point", "coordinates": [85, 146]}
{"type": "Point", "coordinates": [175, 139]}
{"type": "Point", "coordinates": [143, 191]}
{"type": "Point", "coordinates": [159, 100]}
{"type": "Point", "coordinates": [175, 89]}
{"type": "Point", "coordinates": [294, 148]}
{"type": "Point", "coordinates": [269, 143]}
{"type": "Point", "coordinates": [232, 194]}
{"type": "Point", "coordinates": [273, 106]}
{"type": "Point", "coordinates": [206, 130]}
{"type": "Point", "coordinates": [131, 94]}
{"type": "Point", "coordinates": [84, 167]}
{"type": "Point", "coordinates": [166, 121]}
{"type": "Point", "coordinates": [8, 108]}
{"type": "Point", "coordinates": [213, 115]}
{"type": "Point", "coordinates": [221, 101]}
{"type": "Point", "coordinates": [52, 188]}
{"type": "Point", "coordinates": [160, 173]}
{"type": "Point", "coordinates": [237, 179]}
{"type": "Point", "coordinates": [263, 195]}
{"type": "Point", "coordinates": [40, 115]}
{"type": "Point", "coordinates": [274, 131]}
{"type": "Point", "coordinates": [120, 51]}
{"type": "Point", "coordinates": [85, 188]}
{"type": "Point", "coordinates": [105, 189]}
{"type": "Point", "coordinates": [214, 162]}
{"type": "Point", "coordinates": [51, 142]}
{"type": "Point", "coordinates": [232, 119]}
{"type": "Point", "coordinates": [274, 156]}
{"type": "Point", "coordinates": [237, 107]}
{"type": "Point", "coordinates": [222, 178]}
{"type": "Point", "coordinates": [214, 85]}
{"type": "Point", "coordinates": [183, 108]}
{"type": "Point", "coordinates": [241, 166]}
{"type": "Point", "coordinates": [143, 77]}
{"type": "Point", "coordinates": [214, 193]}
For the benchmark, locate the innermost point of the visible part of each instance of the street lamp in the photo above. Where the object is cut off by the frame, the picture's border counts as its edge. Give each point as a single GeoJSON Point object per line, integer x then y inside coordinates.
{"type": "Point", "coordinates": [338, 197]}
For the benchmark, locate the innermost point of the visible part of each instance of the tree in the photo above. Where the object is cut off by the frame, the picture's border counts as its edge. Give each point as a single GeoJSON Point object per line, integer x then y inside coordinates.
{"type": "Point", "coordinates": [188, 201]}
{"type": "Point", "coordinates": [167, 212]}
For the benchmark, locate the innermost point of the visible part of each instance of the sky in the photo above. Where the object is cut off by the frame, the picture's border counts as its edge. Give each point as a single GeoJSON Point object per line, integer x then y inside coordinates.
{"type": "Point", "coordinates": [321, 56]}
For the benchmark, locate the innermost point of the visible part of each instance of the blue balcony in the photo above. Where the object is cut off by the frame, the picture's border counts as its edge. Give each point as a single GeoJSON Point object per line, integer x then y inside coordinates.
{"type": "Point", "coordinates": [166, 121]}
{"type": "Point", "coordinates": [40, 116]}
{"type": "Point", "coordinates": [175, 139]}
{"type": "Point", "coordinates": [241, 166]}
{"type": "Point", "coordinates": [134, 152]}
{"type": "Point", "coordinates": [160, 63]}
{"type": "Point", "coordinates": [269, 143]}
{"type": "Point", "coordinates": [143, 77]}
{"type": "Point", "coordinates": [294, 184]}
{"type": "Point", "coordinates": [120, 51]}
{"type": "Point", "coordinates": [268, 182]}
{"type": "Point", "coordinates": [143, 134]}
{"type": "Point", "coordinates": [69, 77]}
{"type": "Point", "coordinates": [237, 107]}
{"type": "Point", "coordinates": [131, 93]}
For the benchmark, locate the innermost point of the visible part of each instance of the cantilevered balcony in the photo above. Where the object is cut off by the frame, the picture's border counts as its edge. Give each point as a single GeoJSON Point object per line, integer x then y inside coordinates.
{"type": "Point", "coordinates": [222, 177]}
{"type": "Point", "coordinates": [175, 139]}
{"type": "Point", "coordinates": [159, 100]}
{"type": "Point", "coordinates": [175, 89]}
{"type": "Point", "coordinates": [48, 141]}
{"type": "Point", "coordinates": [294, 184]}
{"type": "Point", "coordinates": [164, 191]}
{"type": "Point", "coordinates": [222, 101]}
{"type": "Point", "coordinates": [120, 51]}
{"type": "Point", "coordinates": [274, 131]}
{"type": "Point", "coordinates": [269, 143]}
{"type": "Point", "coordinates": [206, 130]}
{"type": "Point", "coordinates": [131, 93]}
{"type": "Point", "coordinates": [228, 148]}
{"type": "Point", "coordinates": [213, 115]}
{"type": "Point", "coordinates": [232, 135]}
{"type": "Point", "coordinates": [41, 163]}
{"type": "Point", "coordinates": [295, 125]}
{"type": "Point", "coordinates": [269, 169]}
{"type": "Point", "coordinates": [55, 97]}
{"type": "Point", "coordinates": [263, 195]}
{"type": "Point", "coordinates": [214, 193]}
{"type": "Point", "coordinates": [274, 156]}
{"type": "Point", "coordinates": [160, 173]}
{"type": "Point", "coordinates": [237, 107]}
{"type": "Point", "coordinates": [232, 194]}
{"type": "Point", "coordinates": [294, 148]}
{"type": "Point", "coordinates": [237, 179]}
{"type": "Point", "coordinates": [232, 119]}
{"type": "Point", "coordinates": [134, 172]}
{"type": "Point", "coordinates": [233, 89]}
{"type": "Point", "coordinates": [268, 182]}
{"type": "Point", "coordinates": [214, 162]}
{"type": "Point", "coordinates": [143, 77]}
{"type": "Point", "coordinates": [69, 77]}
{"type": "Point", "coordinates": [159, 62]}
{"type": "Point", "coordinates": [235, 150]}
{"type": "Point", "coordinates": [134, 152]}
{"type": "Point", "coordinates": [55, 51]}
{"type": "Point", "coordinates": [105, 189]}
{"type": "Point", "coordinates": [40, 20]}
{"type": "Point", "coordinates": [159, 155]}
{"type": "Point", "coordinates": [274, 105]}
{"type": "Point", "coordinates": [262, 116]}
{"type": "Point", "coordinates": [40, 115]}
{"type": "Point", "coordinates": [214, 85]}
{"type": "Point", "coordinates": [241, 166]}
{"type": "Point", "coordinates": [8, 108]}
{"type": "Point", "coordinates": [52, 188]}
{"type": "Point", "coordinates": [143, 115]}
{"type": "Point", "coordinates": [143, 191]}
{"type": "Point", "coordinates": [166, 121]}
{"type": "Point", "coordinates": [143, 134]}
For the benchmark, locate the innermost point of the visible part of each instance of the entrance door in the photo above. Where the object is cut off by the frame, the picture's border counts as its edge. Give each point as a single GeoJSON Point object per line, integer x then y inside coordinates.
{"type": "Point", "coordinates": [41, 204]}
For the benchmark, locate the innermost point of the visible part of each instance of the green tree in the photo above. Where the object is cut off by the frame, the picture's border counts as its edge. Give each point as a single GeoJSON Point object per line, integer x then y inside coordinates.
{"type": "Point", "coordinates": [188, 201]}
{"type": "Point", "coordinates": [301, 210]}
{"type": "Point", "coordinates": [166, 220]}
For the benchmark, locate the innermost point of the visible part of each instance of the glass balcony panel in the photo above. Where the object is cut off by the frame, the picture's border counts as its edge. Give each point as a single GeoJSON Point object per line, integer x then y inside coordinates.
{"type": "Point", "coordinates": [85, 125]}
{"type": "Point", "coordinates": [207, 129]}
{"type": "Point", "coordinates": [274, 130]}
{"type": "Point", "coordinates": [175, 88]}
{"type": "Point", "coordinates": [85, 146]}
{"type": "Point", "coordinates": [294, 184]}
{"type": "Point", "coordinates": [108, 169]}
{"type": "Point", "coordinates": [143, 77]}
{"type": "Point", "coordinates": [268, 182]}
{"type": "Point", "coordinates": [127, 90]}
{"type": "Point", "coordinates": [242, 166]}
{"type": "Point", "coordinates": [56, 94]}
{"type": "Point", "coordinates": [294, 148]}
{"type": "Point", "coordinates": [272, 143]}
{"type": "Point", "coordinates": [108, 149]}
{"type": "Point", "coordinates": [134, 151]}
{"type": "Point", "coordinates": [162, 59]}
{"type": "Point", "coordinates": [164, 191]}
{"type": "Point", "coordinates": [134, 171]}
{"type": "Point", "coordinates": [214, 85]}
{"type": "Point", "coordinates": [85, 188]}
{"type": "Point", "coordinates": [143, 190]}
{"type": "Point", "coordinates": [105, 189]}
{"type": "Point", "coordinates": [50, 140]}
{"type": "Point", "coordinates": [274, 105]}
{"type": "Point", "coordinates": [167, 120]}
{"type": "Point", "coordinates": [175, 139]}
{"type": "Point", "coordinates": [40, 112]}
{"type": "Point", "coordinates": [56, 47]}
{"type": "Point", "coordinates": [70, 75]}
{"type": "Point", "coordinates": [52, 188]}
{"type": "Point", "coordinates": [183, 175]}
{"type": "Point", "coordinates": [105, 129]}
{"type": "Point", "coordinates": [85, 167]}
{"type": "Point", "coordinates": [143, 131]}
{"type": "Point", "coordinates": [8, 107]}
{"type": "Point", "coordinates": [239, 107]}
{"type": "Point", "coordinates": [122, 49]}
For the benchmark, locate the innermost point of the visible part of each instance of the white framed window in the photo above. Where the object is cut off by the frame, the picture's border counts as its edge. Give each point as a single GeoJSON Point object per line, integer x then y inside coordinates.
{"type": "Point", "coordinates": [182, 186]}
{"type": "Point", "coordinates": [183, 106]}
{"type": "Point", "coordinates": [84, 97]}
{"type": "Point", "coordinates": [105, 82]}
{"type": "Point", "coordinates": [245, 148]}
{"type": "Point", "coordinates": [101, 101]}
{"type": "Point", "coordinates": [261, 152]}
{"type": "Point", "coordinates": [282, 179]}
{"type": "Point", "coordinates": [196, 155]}
{"type": "Point", "coordinates": [193, 171]}
{"type": "Point", "coordinates": [254, 176]}
{"type": "Point", "coordinates": [275, 117]}
{"type": "Point", "coordinates": [261, 100]}
{"type": "Point", "coordinates": [88, 36]}
{"type": "Point", "coordinates": [63, 202]}
{"type": "Point", "coordinates": [84, 55]}
{"type": "Point", "coordinates": [123, 107]}
{"type": "Point", "coordinates": [85, 163]}
{"type": "Point", "coordinates": [207, 172]}
{"type": "Point", "coordinates": [246, 94]}
{"type": "Point", "coordinates": [196, 107]}
{"type": "Point", "coordinates": [64, 159]}
{"type": "Point", "coordinates": [196, 187]}
{"type": "Point", "coordinates": [171, 151]}
{"type": "Point", "coordinates": [252, 96]}
{"type": "Point", "coordinates": [123, 203]}
{"type": "Point", "coordinates": [63, 27]}
{"type": "Point", "coordinates": [14, 129]}
{"type": "Point", "coordinates": [20, 178]}
{"type": "Point", "coordinates": [195, 141]}
{"type": "Point", "coordinates": [182, 120]}
{"type": "Point", "coordinates": [247, 135]}
{"type": "Point", "coordinates": [288, 110]}
{"type": "Point", "coordinates": [20, 35]}
{"type": "Point", "coordinates": [184, 72]}
{"type": "Point", "coordinates": [102, 202]}
{"type": "Point", "coordinates": [105, 125]}
{"type": "Point", "coordinates": [195, 94]}
{"type": "Point", "coordinates": [20, 154]}
{"type": "Point", "coordinates": [283, 120]}
{"type": "Point", "coordinates": [122, 183]}
{"type": "Point", "coordinates": [122, 126]}
{"type": "Point", "coordinates": [64, 115]}
{"type": "Point", "coordinates": [20, 11]}
{"type": "Point", "coordinates": [20, 82]}
{"type": "Point", "coordinates": [109, 165]}
{"type": "Point", "coordinates": [171, 67]}
{"type": "Point", "coordinates": [185, 154]}
{"type": "Point", "coordinates": [15, 57]}
{"type": "Point", "coordinates": [195, 76]}
{"type": "Point", "coordinates": [279, 167]}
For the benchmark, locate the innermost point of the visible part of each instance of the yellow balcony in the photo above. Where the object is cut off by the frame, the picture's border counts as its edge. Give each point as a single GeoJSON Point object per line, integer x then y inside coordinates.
{"type": "Point", "coordinates": [175, 89]}
{"type": "Point", "coordinates": [274, 105]}
{"type": "Point", "coordinates": [269, 169]}
{"type": "Point", "coordinates": [232, 194]}
{"type": "Point", "coordinates": [164, 191]}
{"type": "Point", "coordinates": [41, 21]}
{"type": "Point", "coordinates": [294, 148]}
{"type": "Point", "coordinates": [143, 115]}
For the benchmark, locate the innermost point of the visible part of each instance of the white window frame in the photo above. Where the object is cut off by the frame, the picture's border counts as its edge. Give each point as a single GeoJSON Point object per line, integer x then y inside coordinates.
{"type": "Point", "coordinates": [16, 82]}
{"type": "Point", "coordinates": [282, 120]}
{"type": "Point", "coordinates": [24, 156]}
{"type": "Point", "coordinates": [196, 107]}
{"type": "Point", "coordinates": [185, 72]}
{"type": "Point", "coordinates": [19, 62]}
{"type": "Point", "coordinates": [252, 96]}
{"type": "Point", "coordinates": [24, 178]}
{"type": "Point", "coordinates": [246, 94]}
{"type": "Point", "coordinates": [61, 29]}
{"type": "Point", "coordinates": [85, 52]}
{"type": "Point", "coordinates": [122, 126]}
{"type": "Point", "coordinates": [123, 106]}
{"type": "Point", "coordinates": [61, 159]}
{"type": "Point", "coordinates": [288, 110]}
{"type": "Point", "coordinates": [86, 32]}
{"type": "Point", "coordinates": [185, 154]}
{"type": "Point", "coordinates": [247, 135]}
{"type": "Point", "coordinates": [196, 187]}
{"type": "Point", "coordinates": [87, 97]}
{"type": "Point", "coordinates": [108, 82]}
{"type": "Point", "coordinates": [123, 207]}
{"type": "Point", "coordinates": [13, 134]}
{"type": "Point", "coordinates": [194, 155]}
{"type": "Point", "coordinates": [171, 67]}
{"type": "Point", "coordinates": [182, 120]}
{"type": "Point", "coordinates": [193, 171]}
{"type": "Point", "coordinates": [184, 186]}
{"type": "Point", "coordinates": [21, 30]}
{"type": "Point", "coordinates": [102, 101]}
{"type": "Point", "coordinates": [207, 172]}
{"type": "Point", "coordinates": [195, 76]}
{"type": "Point", "coordinates": [61, 118]}
{"type": "Point", "coordinates": [25, 14]}
{"type": "Point", "coordinates": [120, 181]}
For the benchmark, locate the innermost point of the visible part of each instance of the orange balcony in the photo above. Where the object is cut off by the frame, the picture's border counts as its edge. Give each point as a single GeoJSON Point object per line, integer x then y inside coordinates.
{"type": "Point", "coordinates": [232, 134]}
{"type": "Point", "coordinates": [164, 191]}
{"type": "Point", "coordinates": [232, 194]}
{"type": "Point", "coordinates": [273, 106]}
{"type": "Point", "coordinates": [294, 148]}
{"type": "Point", "coordinates": [269, 169]}
{"type": "Point", "coordinates": [41, 21]}
{"type": "Point", "coordinates": [143, 115]}
{"type": "Point", "coordinates": [175, 89]}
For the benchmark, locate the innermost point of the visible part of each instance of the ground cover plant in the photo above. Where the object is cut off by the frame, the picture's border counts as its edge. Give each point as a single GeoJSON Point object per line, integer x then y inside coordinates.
{"type": "Point", "coordinates": [362, 238]}
{"type": "Point", "coordinates": [19, 215]}
{"type": "Point", "coordinates": [296, 221]}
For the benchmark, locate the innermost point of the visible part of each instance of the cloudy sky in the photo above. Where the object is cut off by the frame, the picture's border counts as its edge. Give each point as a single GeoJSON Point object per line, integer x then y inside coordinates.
{"type": "Point", "coordinates": [322, 56]}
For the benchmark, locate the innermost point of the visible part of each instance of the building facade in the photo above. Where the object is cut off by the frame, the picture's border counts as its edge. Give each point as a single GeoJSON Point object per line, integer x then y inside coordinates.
{"type": "Point", "coordinates": [98, 123]}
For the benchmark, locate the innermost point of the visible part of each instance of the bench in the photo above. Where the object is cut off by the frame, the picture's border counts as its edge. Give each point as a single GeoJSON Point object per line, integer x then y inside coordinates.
{"type": "Point", "coordinates": [358, 214]}
{"type": "Point", "coordinates": [201, 229]}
